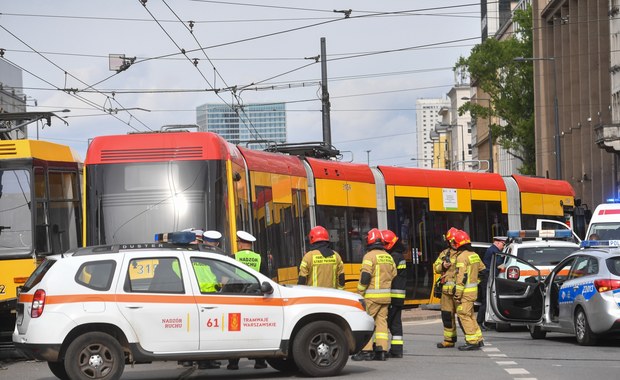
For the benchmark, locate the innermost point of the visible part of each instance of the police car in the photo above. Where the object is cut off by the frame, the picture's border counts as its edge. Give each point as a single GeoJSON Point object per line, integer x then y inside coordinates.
{"type": "Point", "coordinates": [90, 312]}
{"type": "Point", "coordinates": [580, 296]}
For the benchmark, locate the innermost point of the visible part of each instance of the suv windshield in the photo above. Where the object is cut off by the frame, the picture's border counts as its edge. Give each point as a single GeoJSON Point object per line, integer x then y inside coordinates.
{"type": "Point", "coordinates": [544, 255]}
{"type": "Point", "coordinates": [37, 275]}
{"type": "Point", "coordinates": [606, 231]}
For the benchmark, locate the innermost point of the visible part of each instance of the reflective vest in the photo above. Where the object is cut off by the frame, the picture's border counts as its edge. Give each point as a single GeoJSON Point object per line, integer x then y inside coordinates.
{"type": "Point", "coordinates": [249, 258]}
{"type": "Point", "coordinates": [449, 274]}
{"type": "Point", "coordinates": [382, 270]}
{"type": "Point", "coordinates": [320, 270]}
{"type": "Point", "coordinates": [468, 265]}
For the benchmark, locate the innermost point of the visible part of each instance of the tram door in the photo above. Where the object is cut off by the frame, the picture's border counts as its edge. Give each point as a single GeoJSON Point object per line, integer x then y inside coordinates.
{"type": "Point", "coordinates": [416, 227]}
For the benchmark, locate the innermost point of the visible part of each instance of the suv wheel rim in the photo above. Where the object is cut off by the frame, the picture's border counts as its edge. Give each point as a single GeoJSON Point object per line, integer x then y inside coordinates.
{"type": "Point", "coordinates": [96, 361]}
{"type": "Point", "coordinates": [324, 349]}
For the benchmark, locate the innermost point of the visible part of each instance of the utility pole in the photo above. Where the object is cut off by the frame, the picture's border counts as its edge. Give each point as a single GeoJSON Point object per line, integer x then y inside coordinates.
{"type": "Point", "coordinates": [327, 130]}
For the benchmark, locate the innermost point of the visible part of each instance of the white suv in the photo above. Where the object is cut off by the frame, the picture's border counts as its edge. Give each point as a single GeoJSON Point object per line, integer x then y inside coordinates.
{"type": "Point", "coordinates": [89, 312]}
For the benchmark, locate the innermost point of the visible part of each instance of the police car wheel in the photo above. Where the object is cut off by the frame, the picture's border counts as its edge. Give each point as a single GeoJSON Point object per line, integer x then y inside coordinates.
{"type": "Point", "coordinates": [321, 349]}
{"type": "Point", "coordinates": [286, 365]}
{"type": "Point", "coordinates": [58, 369]}
{"type": "Point", "coordinates": [584, 335]}
{"type": "Point", "coordinates": [536, 332]}
{"type": "Point", "coordinates": [94, 356]}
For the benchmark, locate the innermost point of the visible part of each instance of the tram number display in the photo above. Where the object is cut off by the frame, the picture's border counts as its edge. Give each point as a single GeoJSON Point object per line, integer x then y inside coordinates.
{"type": "Point", "coordinates": [2, 289]}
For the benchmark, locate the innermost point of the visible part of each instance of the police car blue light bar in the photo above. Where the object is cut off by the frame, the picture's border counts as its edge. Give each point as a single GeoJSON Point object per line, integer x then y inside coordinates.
{"type": "Point", "coordinates": [557, 234]}
{"type": "Point", "coordinates": [181, 237]}
{"type": "Point", "coordinates": [612, 200]}
{"type": "Point", "coordinates": [599, 243]}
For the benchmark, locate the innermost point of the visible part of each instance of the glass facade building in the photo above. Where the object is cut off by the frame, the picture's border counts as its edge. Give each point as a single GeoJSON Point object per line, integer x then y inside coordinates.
{"type": "Point", "coordinates": [252, 125]}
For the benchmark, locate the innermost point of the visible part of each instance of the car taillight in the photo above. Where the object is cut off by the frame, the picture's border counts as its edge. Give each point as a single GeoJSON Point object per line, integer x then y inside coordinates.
{"type": "Point", "coordinates": [605, 285]}
{"type": "Point", "coordinates": [38, 302]}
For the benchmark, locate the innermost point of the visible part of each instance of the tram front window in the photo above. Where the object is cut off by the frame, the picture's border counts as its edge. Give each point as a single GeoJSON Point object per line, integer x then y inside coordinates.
{"type": "Point", "coordinates": [129, 203]}
{"type": "Point", "coordinates": [15, 212]}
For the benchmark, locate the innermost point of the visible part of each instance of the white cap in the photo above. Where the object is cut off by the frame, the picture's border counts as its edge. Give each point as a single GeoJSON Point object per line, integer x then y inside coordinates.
{"type": "Point", "coordinates": [212, 235]}
{"type": "Point", "coordinates": [245, 236]}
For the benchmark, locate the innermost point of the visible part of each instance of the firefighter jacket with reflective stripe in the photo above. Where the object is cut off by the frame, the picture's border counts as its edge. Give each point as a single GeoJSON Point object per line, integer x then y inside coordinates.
{"type": "Point", "coordinates": [447, 275]}
{"type": "Point", "coordinates": [322, 271]}
{"type": "Point", "coordinates": [249, 258]}
{"type": "Point", "coordinates": [400, 281]}
{"type": "Point", "coordinates": [468, 265]}
{"type": "Point", "coordinates": [378, 271]}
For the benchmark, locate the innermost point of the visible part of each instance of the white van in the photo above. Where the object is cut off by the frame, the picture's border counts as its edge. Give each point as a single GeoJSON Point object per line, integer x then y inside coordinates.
{"type": "Point", "coordinates": [605, 222]}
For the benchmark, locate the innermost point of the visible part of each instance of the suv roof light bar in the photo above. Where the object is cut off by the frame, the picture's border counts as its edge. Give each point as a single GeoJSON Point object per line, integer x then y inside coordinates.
{"type": "Point", "coordinates": [599, 243]}
{"type": "Point", "coordinates": [553, 234]}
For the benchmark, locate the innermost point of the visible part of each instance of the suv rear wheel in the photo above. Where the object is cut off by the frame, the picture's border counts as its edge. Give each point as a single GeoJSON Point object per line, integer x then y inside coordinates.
{"type": "Point", "coordinates": [321, 349]}
{"type": "Point", "coordinates": [94, 356]}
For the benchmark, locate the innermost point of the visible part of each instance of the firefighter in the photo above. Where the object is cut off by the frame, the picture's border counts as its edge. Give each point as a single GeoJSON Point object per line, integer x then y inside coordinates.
{"type": "Point", "coordinates": [321, 265]}
{"type": "Point", "coordinates": [468, 265]}
{"type": "Point", "coordinates": [378, 271]}
{"type": "Point", "coordinates": [395, 248]}
{"type": "Point", "coordinates": [444, 266]}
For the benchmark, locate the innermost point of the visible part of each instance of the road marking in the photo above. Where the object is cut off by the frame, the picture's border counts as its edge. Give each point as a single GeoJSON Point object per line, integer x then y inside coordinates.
{"type": "Point", "coordinates": [498, 355]}
{"type": "Point", "coordinates": [509, 362]}
{"type": "Point", "coordinates": [517, 371]}
{"type": "Point", "coordinates": [490, 349]}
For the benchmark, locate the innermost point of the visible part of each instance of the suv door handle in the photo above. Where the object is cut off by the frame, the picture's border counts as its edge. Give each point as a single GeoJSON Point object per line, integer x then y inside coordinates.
{"type": "Point", "coordinates": [203, 308]}
{"type": "Point", "coordinates": [133, 307]}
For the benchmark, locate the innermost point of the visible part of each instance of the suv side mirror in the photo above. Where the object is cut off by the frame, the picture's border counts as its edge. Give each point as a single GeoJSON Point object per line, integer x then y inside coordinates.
{"type": "Point", "coordinates": [266, 288]}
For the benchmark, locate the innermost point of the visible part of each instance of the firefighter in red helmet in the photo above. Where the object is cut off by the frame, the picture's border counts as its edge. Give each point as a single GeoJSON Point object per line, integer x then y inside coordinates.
{"type": "Point", "coordinates": [444, 266]}
{"type": "Point", "coordinates": [378, 266]}
{"type": "Point", "coordinates": [321, 265]}
{"type": "Point", "coordinates": [395, 248]}
{"type": "Point", "coordinates": [468, 265]}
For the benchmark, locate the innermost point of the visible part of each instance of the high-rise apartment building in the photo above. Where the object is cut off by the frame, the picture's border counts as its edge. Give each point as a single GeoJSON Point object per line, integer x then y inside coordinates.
{"type": "Point", "coordinates": [427, 116]}
{"type": "Point", "coordinates": [254, 125]}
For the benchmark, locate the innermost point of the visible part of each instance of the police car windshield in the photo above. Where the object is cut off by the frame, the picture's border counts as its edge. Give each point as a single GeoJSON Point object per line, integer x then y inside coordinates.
{"type": "Point", "coordinates": [544, 255]}
{"type": "Point", "coordinates": [606, 231]}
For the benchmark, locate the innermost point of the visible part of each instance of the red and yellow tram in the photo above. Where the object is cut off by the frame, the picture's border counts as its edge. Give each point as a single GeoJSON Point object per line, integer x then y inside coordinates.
{"type": "Point", "coordinates": [141, 184]}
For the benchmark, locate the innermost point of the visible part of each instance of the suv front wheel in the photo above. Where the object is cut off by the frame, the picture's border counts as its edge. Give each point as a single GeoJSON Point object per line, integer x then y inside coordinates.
{"type": "Point", "coordinates": [95, 356]}
{"type": "Point", "coordinates": [321, 349]}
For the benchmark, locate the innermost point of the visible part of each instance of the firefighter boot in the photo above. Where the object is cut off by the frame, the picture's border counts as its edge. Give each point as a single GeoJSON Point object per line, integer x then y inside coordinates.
{"type": "Point", "coordinates": [445, 344]}
{"type": "Point", "coordinates": [380, 356]}
{"type": "Point", "coordinates": [470, 347]}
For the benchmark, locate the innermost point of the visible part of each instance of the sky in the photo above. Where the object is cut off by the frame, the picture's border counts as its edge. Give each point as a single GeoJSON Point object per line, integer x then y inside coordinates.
{"type": "Point", "coordinates": [380, 59]}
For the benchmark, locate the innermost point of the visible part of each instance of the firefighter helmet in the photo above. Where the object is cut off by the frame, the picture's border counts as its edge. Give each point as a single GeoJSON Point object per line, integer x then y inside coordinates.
{"type": "Point", "coordinates": [461, 238]}
{"type": "Point", "coordinates": [318, 233]}
{"type": "Point", "coordinates": [449, 236]}
{"type": "Point", "coordinates": [389, 239]}
{"type": "Point", "coordinates": [374, 236]}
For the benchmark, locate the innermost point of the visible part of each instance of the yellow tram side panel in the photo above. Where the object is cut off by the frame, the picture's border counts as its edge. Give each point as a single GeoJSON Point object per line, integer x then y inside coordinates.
{"type": "Point", "coordinates": [544, 204]}
{"type": "Point", "coordinates": [331, 192]}
{"type": "Point", "coordinates": [35, 148]}
{"type": "Point", "coordinates": [14, 273]}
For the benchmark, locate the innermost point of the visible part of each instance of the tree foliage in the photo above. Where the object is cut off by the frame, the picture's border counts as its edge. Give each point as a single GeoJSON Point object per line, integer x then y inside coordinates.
{"type": "Point", "coordinates": [510, 87]}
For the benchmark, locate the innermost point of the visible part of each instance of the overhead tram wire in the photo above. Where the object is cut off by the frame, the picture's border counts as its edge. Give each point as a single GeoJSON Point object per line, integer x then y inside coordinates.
{"type": "Point", "coordinates": [183, 51]}
{"type": "Point", "coordinates": [87, 101]}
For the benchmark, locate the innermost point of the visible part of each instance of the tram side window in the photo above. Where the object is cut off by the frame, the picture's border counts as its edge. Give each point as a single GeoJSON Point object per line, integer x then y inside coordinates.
{"type": "Point", "coordinates": [64, 211]}
{"type": "Point", "coordinates": [42, 222]}
{"type": "Point", "coordinates": [347, 228]}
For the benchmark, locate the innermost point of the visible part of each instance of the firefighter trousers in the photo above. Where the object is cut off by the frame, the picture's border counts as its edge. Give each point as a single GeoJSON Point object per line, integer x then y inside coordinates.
{"type": "Point", "coordinates": [448, 310]}
{"type": "Point", "coordinates": [379, 312]}
{"type": "Point", "coordinates": [471, 329]}
{"type": "Point", "coordinates": [395, 324]}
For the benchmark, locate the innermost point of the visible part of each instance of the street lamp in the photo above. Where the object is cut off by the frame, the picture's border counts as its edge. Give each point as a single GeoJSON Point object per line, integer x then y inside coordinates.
{"type": "Point", "coordinates": [558, 151]}
{"type": "Point", "coordinates": [368, 156]}
{"type": "Point", "coordinates": [490, 134]}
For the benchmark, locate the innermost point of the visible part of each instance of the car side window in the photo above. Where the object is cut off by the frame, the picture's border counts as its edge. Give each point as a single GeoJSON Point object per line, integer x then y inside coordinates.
{"type": "Point", "coordinates": [229, 278]}
{"type": "Point", "coordinates": [96, 275]}
{"type": "Point", "coordinates": [154, 275]}
{"type": "Point", "coordinates": [579, 269]}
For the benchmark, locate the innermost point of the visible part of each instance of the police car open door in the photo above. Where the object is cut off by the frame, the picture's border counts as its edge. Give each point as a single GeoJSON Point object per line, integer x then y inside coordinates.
{"type": "Point", "coordinates": [516, 291]}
